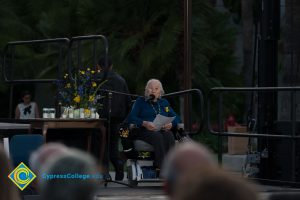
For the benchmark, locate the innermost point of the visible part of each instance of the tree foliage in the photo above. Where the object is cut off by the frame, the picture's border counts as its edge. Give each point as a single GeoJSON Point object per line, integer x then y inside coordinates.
{"type": "Point", "coordinates": [145, 37]}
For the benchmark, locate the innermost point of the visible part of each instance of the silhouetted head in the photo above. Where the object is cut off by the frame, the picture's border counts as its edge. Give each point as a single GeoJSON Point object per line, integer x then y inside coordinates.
{"type": "Point", "coordinates": [182, 159]}
{"type": "Point", "coordinates": [26, 97]}
{"type": "Point", "coordinates": [101, 63]}
{"type": "Point", "coordinates": [44, 154]}
{"type": "Point", "coordinates": [213, 184]}
{"type": "Point", "coordinates": [72, 176]}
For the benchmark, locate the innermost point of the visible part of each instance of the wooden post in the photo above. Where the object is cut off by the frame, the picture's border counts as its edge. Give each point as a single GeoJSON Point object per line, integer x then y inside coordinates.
{"type": "Point", "coordinates": [187, 61]}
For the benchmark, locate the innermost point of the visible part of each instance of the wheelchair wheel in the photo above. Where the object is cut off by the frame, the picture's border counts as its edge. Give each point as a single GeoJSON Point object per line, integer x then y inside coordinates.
{"type": "Point", "coordinates": [131, 182]}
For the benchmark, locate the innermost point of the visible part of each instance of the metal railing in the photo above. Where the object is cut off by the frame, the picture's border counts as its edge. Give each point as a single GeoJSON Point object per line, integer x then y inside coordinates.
{"type": "Point", "coordinates": [220, 91]}
{"type": "Point", "coordinates": [174, 94]}
{"type": "Point", "coordinates": [201, 104]}
{"type": "Point", "coordinates": [94, 38]}
{"type": "Point", "coordinates": [11, 46]}
{"type": "Point", "coordinates": [9, 50]}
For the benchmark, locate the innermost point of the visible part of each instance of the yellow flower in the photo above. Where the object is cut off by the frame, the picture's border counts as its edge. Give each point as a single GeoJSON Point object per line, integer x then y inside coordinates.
{"type": "Point", "coordinates": [66, 76]}
{"type": "Point", "coordinates": [87, 112]}
{"type": "Point", "coordinates": [93, 72]}
{"type": "Point", "coordinates": [167, 109]}
{"type": "Point", "coordinates": [88, 69]}
{"type": "Point", "coordinates": [94, 84]}
{"type": "Point", "coordinates": [68, 85]}
{"type": "Point", "coordinates": [91, 98]}
{"type": "Point", "coordinates": [77, 99]}
{"type": "Point", "coordinates": [82, 72]}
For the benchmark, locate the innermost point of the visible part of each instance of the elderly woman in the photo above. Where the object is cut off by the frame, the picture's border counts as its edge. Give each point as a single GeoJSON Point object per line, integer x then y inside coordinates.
{"type": "Point", "coordinates": [144, 112]}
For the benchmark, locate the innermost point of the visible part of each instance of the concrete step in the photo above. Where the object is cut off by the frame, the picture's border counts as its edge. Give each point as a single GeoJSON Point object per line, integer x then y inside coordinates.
{"type": "Point", "coordinates": [233, 163]}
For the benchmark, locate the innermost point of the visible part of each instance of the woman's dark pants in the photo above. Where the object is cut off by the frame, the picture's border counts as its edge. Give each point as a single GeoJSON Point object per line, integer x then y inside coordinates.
{"type": "Point", "coordinates": [162, 141]}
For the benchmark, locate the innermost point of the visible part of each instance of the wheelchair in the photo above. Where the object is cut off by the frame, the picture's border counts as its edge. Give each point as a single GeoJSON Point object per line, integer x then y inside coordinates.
{"type": "Point", "coordinates": [140, 155]}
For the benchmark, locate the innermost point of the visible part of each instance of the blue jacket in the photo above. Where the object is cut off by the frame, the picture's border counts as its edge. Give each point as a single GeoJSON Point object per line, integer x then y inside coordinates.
{"type": "Point", "coordinates": [143, 110]}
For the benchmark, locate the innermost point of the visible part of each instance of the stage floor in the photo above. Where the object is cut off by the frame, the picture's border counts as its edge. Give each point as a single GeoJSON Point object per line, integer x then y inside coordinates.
{"type": "Point", "coordinates": [154, 191]}
{"type": "Point", "coordinates": [151, 191]}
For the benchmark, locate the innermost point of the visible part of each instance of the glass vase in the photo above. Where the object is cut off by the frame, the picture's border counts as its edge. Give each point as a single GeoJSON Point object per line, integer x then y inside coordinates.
{"type": "Point", "coordinates": [76, 113]}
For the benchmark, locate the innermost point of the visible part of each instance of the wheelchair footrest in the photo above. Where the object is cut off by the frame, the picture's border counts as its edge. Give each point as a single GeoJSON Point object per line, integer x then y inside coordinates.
{"type": "Point", "coordinates": [140, 170]}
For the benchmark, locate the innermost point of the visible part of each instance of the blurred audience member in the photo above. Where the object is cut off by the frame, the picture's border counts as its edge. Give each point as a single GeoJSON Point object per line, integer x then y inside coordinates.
{"type": "Point", "coordinates": [45, 153]}
{"type": "Point", "coordinates": [8, 190]}
{"type": "Point", "coordinates": [39, 158]}
{"type": "Point", "coordinates": [213, 184]}
{"type": "Point", "coordinates": [182, 159]}
{"type": "Point", "coordinates": [65, 177]}
{"type": "Point", "coordinates": [27, 109]}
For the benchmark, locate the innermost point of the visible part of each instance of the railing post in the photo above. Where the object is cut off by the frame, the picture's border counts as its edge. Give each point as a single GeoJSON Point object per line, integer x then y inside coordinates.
{"type": "Point", "coordinates": [221, 124]}
{"type": "Point", "coordinates": [79, 63]}
{"type": "Point", "coordinates": [94, 54]}
{"type": "Point", "coordinates": [293, 118]}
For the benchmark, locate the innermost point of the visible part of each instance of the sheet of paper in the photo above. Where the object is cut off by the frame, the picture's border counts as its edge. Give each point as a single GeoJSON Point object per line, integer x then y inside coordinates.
{"type": "Point", "coordinates": [161, 120]}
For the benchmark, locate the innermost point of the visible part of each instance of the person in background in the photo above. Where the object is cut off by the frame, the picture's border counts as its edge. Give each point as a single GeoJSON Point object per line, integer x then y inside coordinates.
{"type": "Point", "coordinates": [120, 107]}
{"type": "Point", "coordinates": [183, 158]}
{"type": "Point", "coordinates": [41, 157]}
{"type": "Point", "coordinates": [44, 154]}
{"type": "Point", "coordinates": [144, 111]}
{"type": "Point", "coordinates": [27, 109]}
{"type": "Point", "coordinates": [230, 121]}
{"type": "Point", "coordinates": [211, 183]}
{"type": "Point", "coordinates": [77, 176]}
{"type": "Point", "coordinates": [8, 190]}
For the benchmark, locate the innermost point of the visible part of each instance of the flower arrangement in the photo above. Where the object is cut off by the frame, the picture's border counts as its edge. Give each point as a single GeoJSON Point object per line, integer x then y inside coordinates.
{"type": "Point", "coordinates": [80, 90]}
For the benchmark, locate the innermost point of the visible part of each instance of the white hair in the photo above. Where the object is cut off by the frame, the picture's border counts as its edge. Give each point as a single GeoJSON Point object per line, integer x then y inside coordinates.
{"type": "Point", "coordinates": [162, 92]}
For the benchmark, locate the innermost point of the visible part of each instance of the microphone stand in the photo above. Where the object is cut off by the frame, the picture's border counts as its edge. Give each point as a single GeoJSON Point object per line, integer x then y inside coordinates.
{"type": "Point", "coordinates": [109, 180]}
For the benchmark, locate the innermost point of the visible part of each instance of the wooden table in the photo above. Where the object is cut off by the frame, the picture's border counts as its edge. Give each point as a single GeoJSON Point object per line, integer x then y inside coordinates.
{"type": "Point", "coordinates": [45, 124]}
